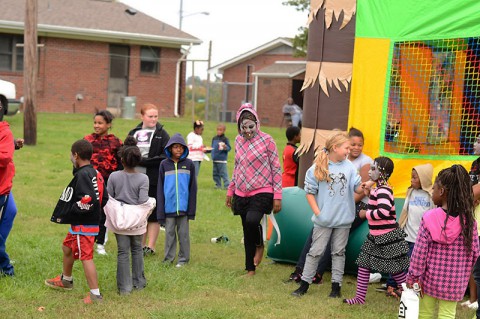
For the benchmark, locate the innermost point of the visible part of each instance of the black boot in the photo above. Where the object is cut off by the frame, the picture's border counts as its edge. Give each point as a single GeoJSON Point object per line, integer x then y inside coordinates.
{"type": "Point", "coordinates": [335, 293]}
{"type": "Point", "coordinates": [302, 289]}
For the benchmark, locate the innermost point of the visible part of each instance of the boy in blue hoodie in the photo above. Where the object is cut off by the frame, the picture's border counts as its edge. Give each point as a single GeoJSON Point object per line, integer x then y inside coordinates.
{"type": "Point", "coordinates": [176, 199]}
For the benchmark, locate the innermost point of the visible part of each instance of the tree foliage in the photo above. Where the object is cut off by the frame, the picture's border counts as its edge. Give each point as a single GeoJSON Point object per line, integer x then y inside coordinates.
{"type": "Point", "coordinates": [301, 39]}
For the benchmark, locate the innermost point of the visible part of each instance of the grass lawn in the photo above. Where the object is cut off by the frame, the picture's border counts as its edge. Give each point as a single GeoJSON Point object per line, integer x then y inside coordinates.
{"type": "Point", "coordinates": [211, 286]}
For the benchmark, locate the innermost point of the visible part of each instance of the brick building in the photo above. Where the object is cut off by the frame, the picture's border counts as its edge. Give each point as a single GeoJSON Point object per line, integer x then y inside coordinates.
{"type": "Point", "coordinates": [265, 76]}
{"type": "Point", "coordinates": [93, 53]}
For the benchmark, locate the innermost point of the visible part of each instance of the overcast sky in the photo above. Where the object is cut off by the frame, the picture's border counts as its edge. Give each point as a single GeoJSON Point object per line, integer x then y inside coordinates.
{"type": "Point", "coordinates": [234, 27]}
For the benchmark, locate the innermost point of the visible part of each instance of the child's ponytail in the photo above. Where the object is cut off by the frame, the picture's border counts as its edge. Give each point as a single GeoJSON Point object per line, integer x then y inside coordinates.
{"type": "Point", "coordinates": [321, 162]}
{"type": "Point", "coordinates": [321, 166]}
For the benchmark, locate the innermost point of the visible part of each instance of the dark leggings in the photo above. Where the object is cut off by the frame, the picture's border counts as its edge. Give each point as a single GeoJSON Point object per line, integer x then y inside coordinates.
{"type": "Point", "coordinates": [252, 236]}
{"type": "Point", "coordinates": [251, 210]}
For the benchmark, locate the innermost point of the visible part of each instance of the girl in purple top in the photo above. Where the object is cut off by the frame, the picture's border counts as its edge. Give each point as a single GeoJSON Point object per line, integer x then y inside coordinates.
{"type": "Point", "coordinates": [385, 249]}
{"type": "Point", "coordinates": [447, 245]}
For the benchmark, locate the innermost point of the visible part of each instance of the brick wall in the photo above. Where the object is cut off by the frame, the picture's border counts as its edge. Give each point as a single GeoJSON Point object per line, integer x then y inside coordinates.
{"type": "Point", "coordinates": [271, 94]}
{"type": "Point", "coordinates": [69, 67]}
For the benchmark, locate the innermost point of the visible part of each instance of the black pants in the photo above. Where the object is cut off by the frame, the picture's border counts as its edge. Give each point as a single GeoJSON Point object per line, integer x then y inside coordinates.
{"type": "Point", "coordinates": [251, 210]}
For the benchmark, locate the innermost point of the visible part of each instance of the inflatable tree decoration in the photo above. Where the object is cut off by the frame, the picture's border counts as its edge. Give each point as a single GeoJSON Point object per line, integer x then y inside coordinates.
{"type": "Point", "coordinates": [331, 33]}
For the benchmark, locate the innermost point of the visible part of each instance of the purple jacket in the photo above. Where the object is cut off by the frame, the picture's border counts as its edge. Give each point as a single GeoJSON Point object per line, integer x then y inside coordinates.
{"type": "Point", "coordinates": [440, 262]}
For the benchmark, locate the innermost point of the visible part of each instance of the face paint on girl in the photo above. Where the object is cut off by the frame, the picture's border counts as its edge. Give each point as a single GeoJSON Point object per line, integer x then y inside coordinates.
{"type": "Point", "coordinates": [374, 172]}
{"type": "Point", "coordinates": [248, 129]}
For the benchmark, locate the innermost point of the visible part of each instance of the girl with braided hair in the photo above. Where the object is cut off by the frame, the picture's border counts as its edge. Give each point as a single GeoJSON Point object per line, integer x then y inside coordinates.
{"type": "Point", "coordinates": [385, 249]}
{"type": "Point", "coordinates": [447, 245]}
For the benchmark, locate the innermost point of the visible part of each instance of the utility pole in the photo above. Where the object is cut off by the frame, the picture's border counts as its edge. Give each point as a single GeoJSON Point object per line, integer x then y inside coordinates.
{"type": "Point", "coordinates": [207, 94]}
{"type": "Point", "coordinates": [30, 73]}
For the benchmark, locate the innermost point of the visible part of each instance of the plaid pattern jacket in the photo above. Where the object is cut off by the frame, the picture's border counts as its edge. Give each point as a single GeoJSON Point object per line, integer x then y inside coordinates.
{"type": "Point", "coordinates": [442, 269]}
{"type": "Point", "coordinates": [257, 167]}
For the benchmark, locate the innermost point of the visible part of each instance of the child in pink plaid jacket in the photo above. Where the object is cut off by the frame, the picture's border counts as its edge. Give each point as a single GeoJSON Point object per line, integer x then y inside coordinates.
{"type": "Point", "coordinates": [447, 245]}
{"type": "Point", "coordinates": [256, 186]}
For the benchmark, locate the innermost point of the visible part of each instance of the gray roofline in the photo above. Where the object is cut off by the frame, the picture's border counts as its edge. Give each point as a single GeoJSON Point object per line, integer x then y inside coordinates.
{"type": "Point", "coordinates": [278, 75]}
{"type": "Point", "coordinates": [98, 35]}
{"type": "Point", "coordinates": [244, 56]}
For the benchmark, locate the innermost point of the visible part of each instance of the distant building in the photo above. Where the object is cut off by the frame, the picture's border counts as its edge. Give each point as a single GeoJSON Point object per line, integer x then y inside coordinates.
{"type": "Point", "coordinates": [92, 53]}
{"type": "Point", "coordinates": [265, 76]}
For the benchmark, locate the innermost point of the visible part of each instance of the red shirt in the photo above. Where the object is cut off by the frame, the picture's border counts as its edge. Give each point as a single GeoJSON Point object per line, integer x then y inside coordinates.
{"type": "Point", "coordinates": [7, 168]}
{"type": "Point", "coordinates": [290, 166]}
{"type": "Point", "coordinates": [105, 153]}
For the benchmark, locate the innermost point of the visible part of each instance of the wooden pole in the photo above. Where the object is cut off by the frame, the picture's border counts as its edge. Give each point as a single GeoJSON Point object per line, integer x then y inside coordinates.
{"type": "Point", "coordinates": [30, 73]}
{"type": "Point", "coordinates": [207, 95]}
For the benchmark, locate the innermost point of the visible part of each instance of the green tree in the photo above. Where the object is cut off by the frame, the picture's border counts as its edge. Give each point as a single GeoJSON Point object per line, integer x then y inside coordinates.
{"type": "Point", "coordinates": [301, 39]}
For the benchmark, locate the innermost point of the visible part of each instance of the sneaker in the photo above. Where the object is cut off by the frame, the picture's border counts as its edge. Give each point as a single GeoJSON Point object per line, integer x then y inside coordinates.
{"type": "Point", "coordinates": [336, 290]}
{"type": "Point", "coordinates": [91, 298]}
{"type": "Point", "coordinates": [392, 292]}
{"type": "Point", "coordinates": [180, 265]}
{"type": "Point", "coordinates": [301, 290]}
{"type": "Point", "coordinates": [374, 278]}
{"type": "Point", "coordinates": [59, 283]}
{"type": "Point", "coordinates": [317, 279]}
{"type": "Point", "coordinates": [382, 288]}
{"type": "Point", "coordinates": [148, 251]}
{"type": "Point", "coordinates": [162, 227]}
{"type": "Point", "coordinates": [101, 250]}
{"type": "Point", "coordinates": [294, 277]}
{"type": "Point", "coordinates": [465, 303]}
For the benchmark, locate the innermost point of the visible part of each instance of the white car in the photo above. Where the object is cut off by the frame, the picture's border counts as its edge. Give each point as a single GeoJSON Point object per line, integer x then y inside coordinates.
{"type": "Point", "coordinates": [8, 97]}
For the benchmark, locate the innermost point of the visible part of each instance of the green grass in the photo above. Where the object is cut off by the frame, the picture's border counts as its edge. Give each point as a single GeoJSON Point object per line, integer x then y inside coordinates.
{"type": "Point", "coordinates": [211, 286]}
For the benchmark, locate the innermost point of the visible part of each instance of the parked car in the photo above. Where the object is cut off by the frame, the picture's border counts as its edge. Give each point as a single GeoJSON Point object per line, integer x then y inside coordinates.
{"type": "Point", "coordinates": [8, 97]}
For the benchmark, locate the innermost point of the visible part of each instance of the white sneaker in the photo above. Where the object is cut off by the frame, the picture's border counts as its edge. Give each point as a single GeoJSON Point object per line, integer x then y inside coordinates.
{"type": "Point", "coordinates": [375, 277]}
{"type": "Point", "coordinates": [101, 250]}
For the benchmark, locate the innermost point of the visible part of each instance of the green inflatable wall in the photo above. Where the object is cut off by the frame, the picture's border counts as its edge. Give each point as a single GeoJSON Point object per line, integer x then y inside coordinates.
{"type": "Point", "coordinates": [295, 225]}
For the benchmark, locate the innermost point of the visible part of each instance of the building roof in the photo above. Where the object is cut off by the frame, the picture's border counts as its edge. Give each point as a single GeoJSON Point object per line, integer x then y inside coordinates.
{"type": "Point", "coordinates": [96, 20]}
{"type": "Point", "coordinates": [282, 69]}
{"type": "Point", "coordinates": [269, 46]}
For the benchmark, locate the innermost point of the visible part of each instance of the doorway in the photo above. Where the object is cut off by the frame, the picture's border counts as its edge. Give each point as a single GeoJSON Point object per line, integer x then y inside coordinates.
{"type": "Point", "coordinates": [118, 80]}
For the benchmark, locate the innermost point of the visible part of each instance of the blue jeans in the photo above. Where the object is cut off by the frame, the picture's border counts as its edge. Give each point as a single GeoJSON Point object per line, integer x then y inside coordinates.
{"type": "Point", "coordinates": [6, 222]}
{"type": "Point", "coordinates": [220, 172]}
{"type": "Point", "coordinates": [197, 167]}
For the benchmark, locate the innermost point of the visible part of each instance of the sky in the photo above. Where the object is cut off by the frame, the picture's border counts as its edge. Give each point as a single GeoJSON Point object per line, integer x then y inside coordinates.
{"type": "Point", "coordinates": [234, 27]}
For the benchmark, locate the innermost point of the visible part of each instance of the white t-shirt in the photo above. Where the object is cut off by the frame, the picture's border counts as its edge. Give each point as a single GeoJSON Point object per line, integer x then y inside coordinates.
{"type": "Point", "coordinates": [195, 146]}
{"type": "Point", "coordinates": [419, 202]}
{"type": "Point", "coordinates": [144, 140]}
{"type": "Point", "coordinates": [359, 162]}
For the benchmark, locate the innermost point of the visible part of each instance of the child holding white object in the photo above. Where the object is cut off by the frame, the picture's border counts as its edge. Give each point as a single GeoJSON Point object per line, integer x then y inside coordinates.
{"type": "Point", "coordinates": [447, 245]}
{"type": "Point", "coordinates": [330, 185]}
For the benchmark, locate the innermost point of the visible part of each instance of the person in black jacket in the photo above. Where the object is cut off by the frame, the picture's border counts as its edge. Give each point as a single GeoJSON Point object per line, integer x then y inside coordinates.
{"type": "Point", "coordinates": [151, 140]}
{"type": "Point", "coordinates": [80, 205]}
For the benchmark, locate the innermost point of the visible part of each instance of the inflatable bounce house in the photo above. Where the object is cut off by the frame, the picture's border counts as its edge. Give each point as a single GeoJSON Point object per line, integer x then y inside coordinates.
{"type": "Point", "coordinates": [407, 74]}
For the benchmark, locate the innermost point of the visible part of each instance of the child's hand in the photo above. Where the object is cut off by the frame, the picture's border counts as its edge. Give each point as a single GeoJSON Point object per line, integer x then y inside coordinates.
{"type": "Point", "coordinates": [362, 214]}
{"type": "Point", "coordinates": [228, 201]}
{"type": "Point", "coordinates": [277, 205]}
{"type": "Point", "coordinates": [367, 187]}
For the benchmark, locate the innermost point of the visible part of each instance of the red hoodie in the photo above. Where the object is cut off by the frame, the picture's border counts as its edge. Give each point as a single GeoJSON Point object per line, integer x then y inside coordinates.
{"type": "Point", "coordinates": [7, 169]}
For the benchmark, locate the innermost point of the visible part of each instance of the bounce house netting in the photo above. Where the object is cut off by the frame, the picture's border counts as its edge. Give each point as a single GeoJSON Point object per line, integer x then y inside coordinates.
{"type": "Point", "coordinates": [433, 95]}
